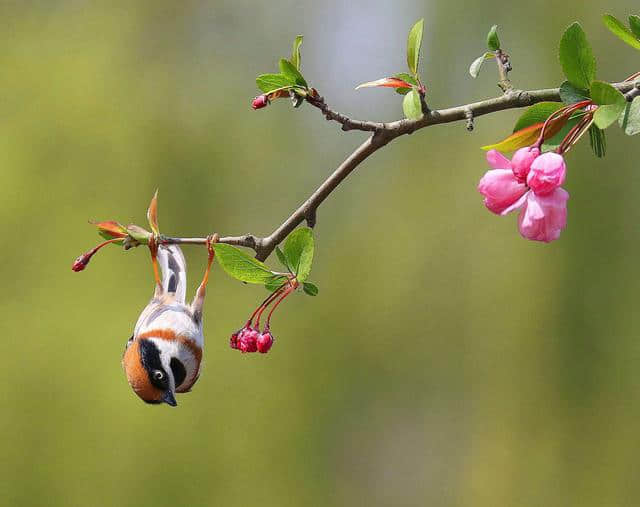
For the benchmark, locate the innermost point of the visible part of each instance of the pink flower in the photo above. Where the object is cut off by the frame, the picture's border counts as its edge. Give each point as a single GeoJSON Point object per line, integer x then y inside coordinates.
{"type": "Point", "coordinates": [522, 160]}
{"type": "Point", "coordinates": [542, 217]}
{"type": "Point", "coordinates": [499, 186]}
{"type": "Point", "coordinates": [547, 173]}
{"type": "Point", "coordinates": [542, 202]}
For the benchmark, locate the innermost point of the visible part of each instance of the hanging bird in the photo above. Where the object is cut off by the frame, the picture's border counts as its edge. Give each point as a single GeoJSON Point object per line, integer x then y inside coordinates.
{"type": "Point", "coordinates": [164, 354]}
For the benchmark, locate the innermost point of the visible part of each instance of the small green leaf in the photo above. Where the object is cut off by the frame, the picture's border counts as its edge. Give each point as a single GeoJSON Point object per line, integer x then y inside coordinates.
{"type": "Point", "coordinates": [138, 233]}
{"type": "Point", "coordinates": [569, 94]}
{"type": "Point", "coordinates": [310, 288]}
{"type": "Point", "coordinates": [296, 58]}
{"type": "Point", "coordinates": [493, 42]}
{"type": "Point", "coordinates": [275, 282]}
{"type": "Point", "coordinates": [298, 251]}
{"type": "Point", "coordinates": [629, 120]}
{"type": "Point", "coordinates": [414, 42]}
{"type": "Point", "coordinates": [240, 265]}
{"type": "Point", "coordinates": [634, 24]}
{"type": "Point", "coordinates": [270, 82]}
{"type": "Point", "coordinates": [598, 141]}
{"type": "Point", "coordinates": [282, 258]}
{"type": "Point", "coordinates": [576, 57]}
{"type": "Point", "coordinates": [474, 68]}
{"type": "Point", "coordinates": [289, 71]}
{"type": "Point", "coordinates": [407, 78]}
{"type": "Point", "coordinates": [537, 113]}
{"type": "Point", "coordinates": [611, 103]}
{"type": "Point", "coordinates": [617, 28]}
{"type": "Point", "coordinates": [411, 105]}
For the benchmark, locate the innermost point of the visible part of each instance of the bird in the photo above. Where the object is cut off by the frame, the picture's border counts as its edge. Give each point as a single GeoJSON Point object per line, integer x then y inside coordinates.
{"type": "Point", "coordinates": [164, 354]}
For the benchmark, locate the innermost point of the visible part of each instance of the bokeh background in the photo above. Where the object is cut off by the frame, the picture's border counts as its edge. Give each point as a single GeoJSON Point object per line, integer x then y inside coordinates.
{"type": "Point", "coordinates": [446, 361]}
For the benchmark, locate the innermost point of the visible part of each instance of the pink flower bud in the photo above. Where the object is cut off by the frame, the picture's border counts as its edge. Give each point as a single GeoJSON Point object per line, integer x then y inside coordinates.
{"type": "Point", "coordinates": [547, 173]}
{"type": "Point", "coordinates": [247, 340]}
{"type": "Point", "coordinates": [265, 341]}
{"type": "Point", "coordinates": [233, 341]}
{"type": "Point", "coordinates": [522, 160]}
{"type": "Point", "coordinates": [260, 101]}
{"type": "Point", "coordinates": [81, 262]}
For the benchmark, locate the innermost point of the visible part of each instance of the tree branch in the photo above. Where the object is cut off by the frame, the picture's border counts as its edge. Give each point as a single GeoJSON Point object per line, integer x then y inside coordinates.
{"type": "Point", "coordinates": [383, 133]}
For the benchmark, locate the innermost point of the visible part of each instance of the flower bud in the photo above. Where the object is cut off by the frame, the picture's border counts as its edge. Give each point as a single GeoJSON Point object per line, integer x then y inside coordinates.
{"type": "Point", "coordinates": [260, 101]}
{"type": "Point", "coordinates": [81, 262]}
{"type": "Point", "coordinates": [233, 341]}
{"type": "Point", "coordinates": [522, 160]}
{"type": "Point", "coordinates": [247, 340]}
{"type": "Point", "coordinates": [547, 173]}
{"type": "Point", "coordinates": [264, 341]}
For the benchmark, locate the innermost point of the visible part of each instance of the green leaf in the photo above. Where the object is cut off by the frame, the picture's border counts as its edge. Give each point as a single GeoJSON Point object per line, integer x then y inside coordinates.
{"type": "Point", "coordinates": [298, 250]}
{"type": "Point", "coordinates": [240, 265]}
{"type": "Point", "coordinates": [634, 23]}
{"type": "Point", "coordinates": [310, 288]}
{"type": "Point", "coordinates": [275, 282]}
{"type": "Point", "coordinates": [569, 94]}
{"type": "Point", "coordinates": [289, 71]}
{"type": "Point", "coordinates": [282, 258]}
{"type": "Point", "coordinates": [138, 233]}
{"type": "Point", "coordinates": [617, 28]}
{"type": "Point", "coordinates": [407, 78]}
{"type": "Point", "coordinates": [414, 41]}
{"type": "Point", "coordinates": [553, 142]}
{"type": "Point", "coordinates": [610, 101]}
{"type": "Point", "coordinates": [630, 120]}
{"type": "Point", "coordinates": [296, 58]}
{"type": "Point", "coordinates": [576, 57]}
{"type": "Point", "coordinates": [493, 42]}
{"type": "Point", "coordinates": [598, 141]}
{"type": "Point", "coordinates": [474, 68]}
{"type": "Point", "coordinates": [537, 113]}
{"type": "Point", "coordinates": [270, 82]}
{"type": "Point", "coordinates": [411, 105]}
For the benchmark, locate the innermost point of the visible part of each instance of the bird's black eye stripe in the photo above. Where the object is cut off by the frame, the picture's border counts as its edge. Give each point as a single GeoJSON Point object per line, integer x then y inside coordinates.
{"type": "Point", "coordinates": [150, 357]}
{"type": "Point", "coordinates": [179, 371]}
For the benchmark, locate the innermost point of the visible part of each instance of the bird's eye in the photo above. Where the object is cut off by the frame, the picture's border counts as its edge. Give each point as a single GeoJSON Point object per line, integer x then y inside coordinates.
{"type": "Point", "coordinates": [158, 375]}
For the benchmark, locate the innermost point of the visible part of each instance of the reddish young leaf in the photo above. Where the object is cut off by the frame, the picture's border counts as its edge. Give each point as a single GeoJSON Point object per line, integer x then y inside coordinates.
{"type": "Point", "coordinates": [386, 82]}
{"type": "Point", "coordinates": [110, 229]}
{"type": "Point", "coordinates": [529, 135]}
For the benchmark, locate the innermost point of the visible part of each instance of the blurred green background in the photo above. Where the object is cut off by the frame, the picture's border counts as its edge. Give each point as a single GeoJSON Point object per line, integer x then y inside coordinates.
{"type": "Point", "coordinates": [446, 361]}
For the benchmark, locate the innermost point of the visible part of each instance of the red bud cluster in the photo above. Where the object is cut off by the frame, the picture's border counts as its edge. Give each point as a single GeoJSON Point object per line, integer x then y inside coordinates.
{"type": "Point", "coordinates": [250, 338]}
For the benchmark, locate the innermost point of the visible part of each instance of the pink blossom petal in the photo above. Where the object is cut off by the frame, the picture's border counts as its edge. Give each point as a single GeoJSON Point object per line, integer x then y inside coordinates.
{"type": "Point", "coordinates": [547, 173]}
{"type": "Point", "coordinates": [500, 189]}
{"type": "Point", "coordinates": [522, 160]}
{"type": "Point", "coordinates": [516, 205]}
{"type": "Point", "coordinates": [497, 160]}
{"type": "Point", "coordinates": [544, 216]}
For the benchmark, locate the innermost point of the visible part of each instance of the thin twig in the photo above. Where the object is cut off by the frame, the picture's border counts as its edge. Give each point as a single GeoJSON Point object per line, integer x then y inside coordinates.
{"type": "Point", "coordinates": [383, 133]}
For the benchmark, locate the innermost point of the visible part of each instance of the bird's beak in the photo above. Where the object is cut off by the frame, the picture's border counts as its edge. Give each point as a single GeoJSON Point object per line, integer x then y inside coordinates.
{"type": "Point", "coordinates": [169, 398]}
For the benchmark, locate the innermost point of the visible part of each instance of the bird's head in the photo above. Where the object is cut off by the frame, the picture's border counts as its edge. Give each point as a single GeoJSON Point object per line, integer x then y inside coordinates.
{"type": "Point", "coordinates": [151, 372]}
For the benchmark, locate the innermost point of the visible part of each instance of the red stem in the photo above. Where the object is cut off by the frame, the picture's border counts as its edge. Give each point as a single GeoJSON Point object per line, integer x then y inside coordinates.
{"type": "Point", "coordinates": [284, 295]}
{"type": "Point", "coordinates": [264, 305]}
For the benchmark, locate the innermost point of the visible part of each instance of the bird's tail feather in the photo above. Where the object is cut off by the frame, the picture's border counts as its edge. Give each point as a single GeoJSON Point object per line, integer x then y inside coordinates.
{"type": "Point", "coordinates": [174, 271]}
